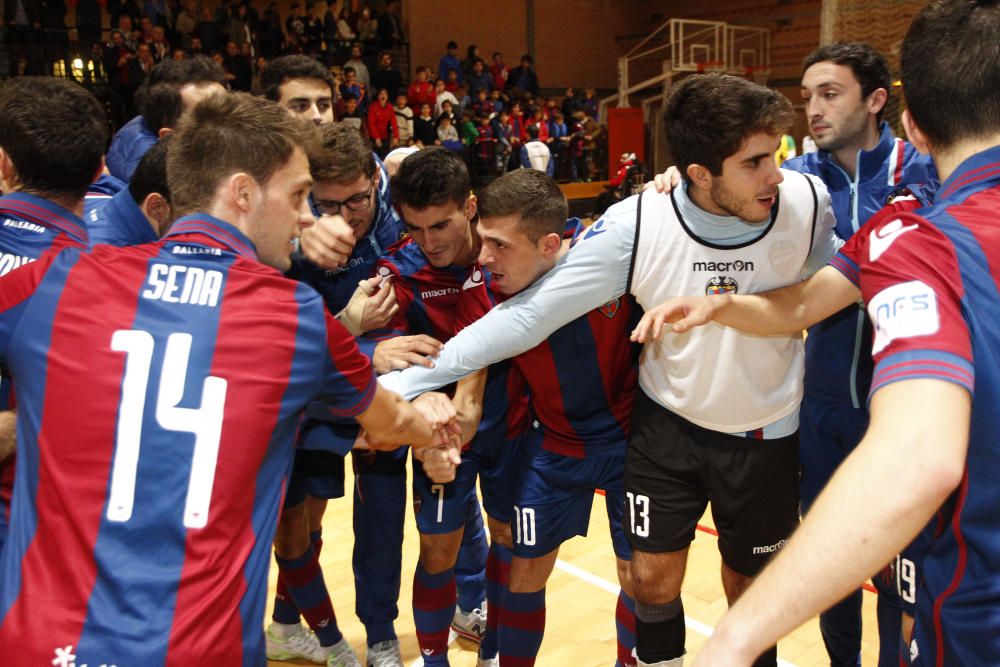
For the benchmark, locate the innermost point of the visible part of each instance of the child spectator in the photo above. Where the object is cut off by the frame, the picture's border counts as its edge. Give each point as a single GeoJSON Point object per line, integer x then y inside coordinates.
{"type": "Point", "coordinates": [483, 106]}
{"type": "Point", "coordinates": [424, 129]}
{"type": "Point", "coordinates": [450, 61]}
{"type": "Point", "coordinates": [499, 72]}
{"type": "Point", "coordinates": [447, 134]}
{"type": "Point", "coordinates": [355, 87]}
{"type": "Point", "coordinates": [468, 132]}
{"type": "Point", "coordinates": [442, 95]}
{"type": "Point", "coordinates": [420, 91]}
{"type": "Point", "coordinates": [479, 78]}
{"type": "Point", "coordinates": [404, 120]}
{"type": "Point", "coordinates": [382, 127]}
{"type": "Point", "coordinates": [451, 81]}
{"type": "Point", "coordinates": [496, 97]}
{"type": "Point", "coordinates": [351, 115]}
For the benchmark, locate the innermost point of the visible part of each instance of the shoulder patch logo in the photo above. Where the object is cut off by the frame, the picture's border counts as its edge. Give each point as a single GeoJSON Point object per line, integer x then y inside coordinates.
{"type": "Point", "coordinates": [905, 310]}
{"type": "Point", "coordinates": [721, 285]}
{"type": "Point", "coordinates": [610, 309]}
{"type": "Point", "coordinates": [885, 236]}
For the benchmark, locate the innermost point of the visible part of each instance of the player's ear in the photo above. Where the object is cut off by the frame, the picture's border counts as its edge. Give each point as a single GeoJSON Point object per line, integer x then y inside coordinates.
{"type": "Point", "coordinates": [157, 211]}
{"type": "Point", "coordinates": [8, 173]}
{"type": "Point", "coordinates": [914, 134]}
{"type": "Point", "coordinates": [550, 244]}
{"type": "Point", "coordinates": [699, 176]}
{"type": "Point", "coordinates": [877, 100]}
{"type": "Point", "coordinates": [240, 189]}
{"type": "Point", "coordinates": [471, 207]}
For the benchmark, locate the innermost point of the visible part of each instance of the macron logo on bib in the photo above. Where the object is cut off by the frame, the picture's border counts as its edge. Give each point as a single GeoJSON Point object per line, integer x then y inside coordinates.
{"type": "Point", "coordinates": [905, 310]}
{"type": "Point", "coordinates": [885, 236]}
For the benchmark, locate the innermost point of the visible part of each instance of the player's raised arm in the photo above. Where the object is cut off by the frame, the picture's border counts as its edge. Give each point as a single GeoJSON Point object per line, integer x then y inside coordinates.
{"type": "Point", "coordinates": [390, 421]}
{"type": "Point", "coordinates": [782, 311]}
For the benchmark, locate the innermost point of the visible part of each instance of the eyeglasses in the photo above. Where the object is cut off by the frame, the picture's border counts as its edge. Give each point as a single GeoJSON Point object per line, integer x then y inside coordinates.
{"type": "Point", "coordinates": [356, 203]}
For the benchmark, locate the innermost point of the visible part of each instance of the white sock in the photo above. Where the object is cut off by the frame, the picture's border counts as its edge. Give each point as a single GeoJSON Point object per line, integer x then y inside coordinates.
{"type": "Point", "coordinates": [676, 662]}
{"type": "Point", "coordinates": [285, 631]}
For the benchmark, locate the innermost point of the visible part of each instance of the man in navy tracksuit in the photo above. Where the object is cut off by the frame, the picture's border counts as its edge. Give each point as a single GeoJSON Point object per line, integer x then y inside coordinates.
{"type": "Point", "coordinates": [845, 87]}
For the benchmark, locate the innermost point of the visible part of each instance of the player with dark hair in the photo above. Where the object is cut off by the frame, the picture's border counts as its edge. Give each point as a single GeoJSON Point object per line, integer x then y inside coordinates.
{"type": "Point", "coordinates": [738, 224]}
{"type": "Point", "coordinates": [925, 277]}
{"type": "Point", "coordinates": [52, 139]}
{"type": "Point", "coordinates": [194, 78]}
{"type": "Point", "coordinates": [301, 85]}
{"type": "Point", "coordinates": [581, 383]}
{"type": "Point", "coordinates": [143, 512]}
{"type": "Point", "coordinates": [140, 212]}
{"type": "Point", "coordinates": [431, 191]}
{"type": "Point", "coordinates": [846, 86]}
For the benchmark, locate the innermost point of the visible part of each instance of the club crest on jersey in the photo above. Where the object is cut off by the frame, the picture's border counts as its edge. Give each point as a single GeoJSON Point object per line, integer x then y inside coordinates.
{"type": "Point", "coordinates": [418, 502]}
{"type": "Point", "coordinates": [610, 309]}
{"type": "Point", "coordinates": [721, 285]}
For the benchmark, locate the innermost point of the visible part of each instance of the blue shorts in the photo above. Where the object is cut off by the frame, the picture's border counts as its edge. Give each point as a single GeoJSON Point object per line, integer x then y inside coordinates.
{"type": "Point", "coordinates": [553, 499]}
{"type": "Point", "coordinates": [443, 508]}
{"type": "Point", "coordinates": [318, 470]}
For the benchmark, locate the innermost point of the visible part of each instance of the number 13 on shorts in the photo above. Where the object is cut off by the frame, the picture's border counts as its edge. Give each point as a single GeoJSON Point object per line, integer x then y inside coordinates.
{"type": "Point", "coordinates": [638, 513]}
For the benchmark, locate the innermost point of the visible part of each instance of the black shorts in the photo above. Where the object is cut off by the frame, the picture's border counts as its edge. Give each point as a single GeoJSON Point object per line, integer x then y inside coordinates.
{"type": "Point", "coordinates": [673, 468]}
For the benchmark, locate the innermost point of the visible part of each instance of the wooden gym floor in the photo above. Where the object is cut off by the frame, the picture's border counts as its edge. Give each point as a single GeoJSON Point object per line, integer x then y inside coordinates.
{"type": "Point", "coordinates": [581, 597]}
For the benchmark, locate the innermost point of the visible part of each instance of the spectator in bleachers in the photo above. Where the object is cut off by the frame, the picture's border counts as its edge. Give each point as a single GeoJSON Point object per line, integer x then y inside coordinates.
{"type": "Point", "coordinates": [209, 31]}
{"type": "Point", "coordinates": [483, 104]}
{"type": "Point", "coordinates": [467, 129]}
{"type": "Point", "coordinates": [187, 22]}
{"type": "Point", "coordinates": [271, 39]}
{"type": "Point", "coordinates": [442, 95]}
{"type": "Point", "coordinates": [239, 66]}
{"type": "Point", "coordinates": [117, 56]}
{"type": "Point", "coordinates": [535, 154]}
{"type": "Point", "coordinates": [390, 26]}
{"type": "Point", "coordinates": [295, 27]}
{"type": "Point", "coordinates": [496, 97]}
{"type": "Point", "coordinates": [471, 56]}
{"type": "Point", "coordinates": [424, 127]}
{"type": "Point", "coordinates": [383, 131]}
{"type": "Point", "coordinates": [386, 76]}
{"type": "Point", "coordinates": [159, 45]}
{"type": "Point", "coordinates": [499, 72]}
{"type": "Point", "coordinates": [421, 91]}
{"type": "Point", "coordinates": [570, 103]}
{"type": "Point", "coordinates": [479, 79]}
{"type": "Point", "coordinates": [350, 113]}
{"type": "Point", "coordinates": [367, 27]}
{"type": "Point", "coordinates": [588, 103]}
{"type": "Point", "coordinates": [523, 76]}
{"type": "Point", "coordinates": [360, 68]}
{"type": "Point", "coordinates": [314, 30]}
{"type": "Point", "coordinates": [88, 25]}
{"type": "Point", "coordinates": [351, 85]}
{"type": "Point", "coordinates": [404, 120]}
{"type": "Point", "coordinates": [464, 101]}
{"type": "Point", "coordinates": [450, 61]}
{"type": "Point", "coordinates": [447, 135]}
{"type": "Point", "coordinates": [448, 109]}
{"type": "Point", "coordinates": [55, 39]}
{"type": "Point", "coordinates": [452, 82]}
{"type": "Point", "coordinates": [559, 134]}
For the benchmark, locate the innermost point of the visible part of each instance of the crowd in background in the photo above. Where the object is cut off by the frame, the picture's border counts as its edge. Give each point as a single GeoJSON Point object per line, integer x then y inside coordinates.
{"type": "Point", "coordinates": [476, 105]}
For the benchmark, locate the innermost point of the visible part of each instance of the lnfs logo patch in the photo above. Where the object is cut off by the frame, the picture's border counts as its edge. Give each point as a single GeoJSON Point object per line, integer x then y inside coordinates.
{"type": "Point", "coordinates": [610, 308]}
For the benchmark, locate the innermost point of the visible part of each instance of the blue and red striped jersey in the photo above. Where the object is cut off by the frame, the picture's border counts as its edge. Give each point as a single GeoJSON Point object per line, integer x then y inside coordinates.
{"type": "Point", "coordinates": [426, 295]}
{"type": "Point", "coordinates": [29, 227]}
{"type": "Point", "coordinates": [582, 380]}
{"type": "Point", "coordinates": [931, 283]}
{"type": "Point", "coordinates": [160, 388]}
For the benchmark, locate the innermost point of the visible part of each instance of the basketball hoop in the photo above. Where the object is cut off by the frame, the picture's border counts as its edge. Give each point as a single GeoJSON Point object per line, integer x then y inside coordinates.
{"type": "Point", "coordinates": [710, 66]}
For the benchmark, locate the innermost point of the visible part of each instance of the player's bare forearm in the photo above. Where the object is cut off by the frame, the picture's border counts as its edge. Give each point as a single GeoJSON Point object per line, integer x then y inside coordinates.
{"type": "Point", "coordinates": [919, 430]}
{"type": "Point", "coordinates": [390, 422]}
{"type": "Point", "coordinates": [468, 402]}
{"type": "Point", "coordinates": [8, 434]}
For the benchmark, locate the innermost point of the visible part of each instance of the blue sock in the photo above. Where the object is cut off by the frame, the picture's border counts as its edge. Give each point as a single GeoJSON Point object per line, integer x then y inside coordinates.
{"type": "Point", "coordinates": [522, 626]}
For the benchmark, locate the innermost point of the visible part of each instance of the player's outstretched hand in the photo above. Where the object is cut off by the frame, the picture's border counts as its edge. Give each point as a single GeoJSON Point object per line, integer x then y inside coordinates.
{"type": "Point", "coordinates": [664, 182]}
{"type": "Point", "coordinates": [328, 243]}
{"type": "Point", "coordinates": [718, 652]}
{"type": "Point", "coordinates": [371, 306]}
{"type": "Point", "coordinates": [401, 352]}
{"type": "Point", "coordinates": [685, 312]}
{"type": "Point", "coordinates": [438, 410]}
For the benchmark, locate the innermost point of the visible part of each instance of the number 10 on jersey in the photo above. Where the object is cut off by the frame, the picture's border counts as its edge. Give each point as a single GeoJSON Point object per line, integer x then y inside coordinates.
{"type": "Point", "coordinates": [204, 422]}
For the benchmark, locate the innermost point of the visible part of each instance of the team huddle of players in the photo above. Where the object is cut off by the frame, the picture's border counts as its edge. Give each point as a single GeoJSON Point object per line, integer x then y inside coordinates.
{"type": "Point", "coordinates": [267, 297]}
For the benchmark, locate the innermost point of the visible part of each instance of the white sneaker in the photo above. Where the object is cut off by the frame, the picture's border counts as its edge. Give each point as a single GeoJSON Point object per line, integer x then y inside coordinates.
{"type": "Point", "coordinates": [385, 654]}
{"type": "Point", "coordinates": [301, 643]}
{"type": "Point", "coordinates": [471, 625]}
{"type": "Point", "coordinates": [341, 655]}
{"type": "Point", "coordinates": [488, 662]}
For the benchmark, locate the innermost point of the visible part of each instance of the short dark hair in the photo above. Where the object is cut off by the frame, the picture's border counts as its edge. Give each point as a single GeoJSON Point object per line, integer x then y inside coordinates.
{"type": "Point", "coordinates": [709, 116]}
{"type": "Point", "coordinates": [532, 131]}
{"type": "Point", "coordinates": [226, 134]}
{"type": "Point", "coordinates": [196, 69]}
{"type": "Point", "coordinates": [151, 174]}
{"type": "Point", "coordinates": [951, 70]}
{"type": "Point", "coordinates": [343, 155]}
{"type": "Point", "coordinates": [531, 195]}
{"type": "Point", "coordinates": [280, 70]}
{"type": "Point", "coordinates": [160, 106]}
{"type": "Point", "coordinates": [527, 58]}
{"type": "Point", "coordinates": [55, 132]}
{"type": "Point", "coordinates": [452, 45]}
{"type": "Point", "coordinates": [432, 176]}
{"type": "Point", "coordinates": [868, 65]}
